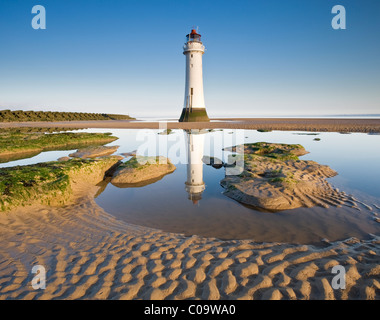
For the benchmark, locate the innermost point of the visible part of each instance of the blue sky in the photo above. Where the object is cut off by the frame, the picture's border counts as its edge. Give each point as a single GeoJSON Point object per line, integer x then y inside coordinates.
{"type": "Point", "coordinates": [267, 57]}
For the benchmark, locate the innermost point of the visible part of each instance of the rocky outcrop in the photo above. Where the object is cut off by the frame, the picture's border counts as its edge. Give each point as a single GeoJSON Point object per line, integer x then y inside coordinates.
{"type": "Point", "coordinates": [63, 159]}
{"type": "Point", "coordinates": [139, 169]}
{"type": "Point", "coordinates": [275, 179]}
{"type": "Point", "coordinates": [52, 183]}
{"type": "Point", "coordinates": [129, 154]}
{"type": "Point", "coordinates": [93, 152]}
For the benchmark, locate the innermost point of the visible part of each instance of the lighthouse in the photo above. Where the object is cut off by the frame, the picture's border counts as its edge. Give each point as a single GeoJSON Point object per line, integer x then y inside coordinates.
{"type": "Point", "coordinates": [194, 184]}
{"type": "Point", "coordinates": [194, 109]}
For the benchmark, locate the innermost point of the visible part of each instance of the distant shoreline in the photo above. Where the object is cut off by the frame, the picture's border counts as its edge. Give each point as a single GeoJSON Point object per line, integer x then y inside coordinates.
{"type": "Point", "coordinates": [281, 124]}
{"type": "Point", "coordinates": [37, 116]}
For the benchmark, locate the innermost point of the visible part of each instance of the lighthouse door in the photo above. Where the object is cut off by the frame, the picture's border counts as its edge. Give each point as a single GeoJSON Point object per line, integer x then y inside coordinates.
{"type": "Point", "coordinates": [191, 99]}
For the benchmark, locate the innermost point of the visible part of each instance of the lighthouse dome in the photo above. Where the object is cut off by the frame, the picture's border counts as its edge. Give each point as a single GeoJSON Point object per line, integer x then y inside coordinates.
{"type": "Point", "coordinates": [193, 36]}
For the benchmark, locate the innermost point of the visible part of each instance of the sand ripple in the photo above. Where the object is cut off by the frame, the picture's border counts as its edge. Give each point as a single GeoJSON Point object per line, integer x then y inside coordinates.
{"type": "Point", "coordinates": [90, 255]}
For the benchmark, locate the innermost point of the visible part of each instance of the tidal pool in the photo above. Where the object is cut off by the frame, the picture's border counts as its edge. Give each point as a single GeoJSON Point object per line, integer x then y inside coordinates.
{"type": "Point", "coordinates": [181, 203]}
{"type": "Point", "coordinates": [191, 201]}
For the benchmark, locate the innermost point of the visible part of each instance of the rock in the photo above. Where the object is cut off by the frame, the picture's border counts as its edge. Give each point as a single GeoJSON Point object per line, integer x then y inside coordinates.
{"type": "Point", "coordinates": [139, 169]}
{"type": "Point", "coordinates": [114, 156]}
{"type": "Point", "coordinates": [79, 178]}
{"type": "Point", "coordinates": [129, 154]}
{"type": "Point", "coordinates": [63, 159]}
{"type": "Point", "coordinates": [93, 152]}
{"type": "Point", "coordinates": [166, 132]}
{"type": "Point", "coordinates": [275, 179]}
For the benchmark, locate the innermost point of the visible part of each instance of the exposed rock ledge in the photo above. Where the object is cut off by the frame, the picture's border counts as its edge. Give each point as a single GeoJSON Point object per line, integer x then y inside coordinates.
{"type": "Point", "coordinates": [59, 183]}
{"type": "Point", "coordinates": [139, 169]}
{"type": "Point", "coordinates": [93, 152]}
{"type": "Point", "coordinates": [275, 179]}
{"type": "Point", "coordinates": [53, 183]}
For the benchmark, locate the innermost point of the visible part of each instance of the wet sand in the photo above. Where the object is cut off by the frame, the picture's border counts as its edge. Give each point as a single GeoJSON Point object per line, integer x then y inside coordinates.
{"type": "Point", "coordinates": [88, 254]}
{"type": "Point", "coordinates": [292, 124]}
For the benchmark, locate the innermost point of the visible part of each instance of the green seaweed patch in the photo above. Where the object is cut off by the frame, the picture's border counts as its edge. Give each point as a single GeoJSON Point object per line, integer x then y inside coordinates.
{"type": "Point", "coordinates": [47, 182]}
{"type": "Point", "coordinates": [266, 151]}
{"type": "Point", "coordinates": [283, 178]}
{"type": "Point", "coordinates": [15, 142]}
{"type": "Point", "coordinates": [196, 115]}
{"type": "Point", "coordinates": [140, 162]}
{"type": "Point", "coordinates": [166, 132]}
{"type": "Point", "coordinates": [282, 157]}
{"type": "Point", "coordinates": [18, 130]}
{"type": "Point", "coordinates": [276, 151]}
{"type": "Point", "coordinates": [264, 130]}
{"type": "Point", "coordinates": [20, 115]}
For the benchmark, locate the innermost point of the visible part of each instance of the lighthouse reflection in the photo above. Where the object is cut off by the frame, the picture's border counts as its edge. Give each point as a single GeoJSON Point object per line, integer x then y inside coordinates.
{"type": "Point", "coordinates": [194, 184]}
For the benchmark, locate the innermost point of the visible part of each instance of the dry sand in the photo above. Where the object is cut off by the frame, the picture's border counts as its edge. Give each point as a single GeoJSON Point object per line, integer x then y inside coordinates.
{"type": "Point", "coordinates": [88, 254]}
{"type": "Point", "coordinates": [294, 124]}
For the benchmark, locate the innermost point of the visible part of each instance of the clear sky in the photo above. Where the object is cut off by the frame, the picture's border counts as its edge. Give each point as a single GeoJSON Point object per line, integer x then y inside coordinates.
{"type": "Point", "coordinates": [264, 57]}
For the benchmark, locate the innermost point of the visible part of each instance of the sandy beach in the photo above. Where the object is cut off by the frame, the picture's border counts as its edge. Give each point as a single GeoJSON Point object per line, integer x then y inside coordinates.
{"type": "Point", "coordinates": [88, 254]}
{"type": "Point", "coordinates": [292, 124]}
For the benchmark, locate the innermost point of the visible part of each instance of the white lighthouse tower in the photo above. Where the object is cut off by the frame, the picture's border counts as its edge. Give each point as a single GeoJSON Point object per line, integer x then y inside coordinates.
{"type": "Point", "coordinates": [195, 146]}
{"type": "Point", "coordinates": [194, 105]}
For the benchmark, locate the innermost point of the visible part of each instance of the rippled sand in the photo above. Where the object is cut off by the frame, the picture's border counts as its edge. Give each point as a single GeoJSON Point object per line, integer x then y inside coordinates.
{"type": "Point", "coordinates": [88, 254]}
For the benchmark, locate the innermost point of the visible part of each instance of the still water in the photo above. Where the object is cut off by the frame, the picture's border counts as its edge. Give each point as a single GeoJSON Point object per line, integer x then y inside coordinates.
{"type": "Point", "coordinates": [190, 200]}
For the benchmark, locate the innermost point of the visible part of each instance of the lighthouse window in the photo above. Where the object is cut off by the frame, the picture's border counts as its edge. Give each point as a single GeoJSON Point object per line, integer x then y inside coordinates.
{"type": "Point", "coordinates": [191, 91]}
{"type": "Point", "coordinates": [191, 65]}
{"type": "Point", "coordinates": [191, 55]}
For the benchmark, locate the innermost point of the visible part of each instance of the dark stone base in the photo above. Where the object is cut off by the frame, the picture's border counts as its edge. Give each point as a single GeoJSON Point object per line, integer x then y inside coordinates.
{"type": "Point", "coordinates": [195, 115]}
